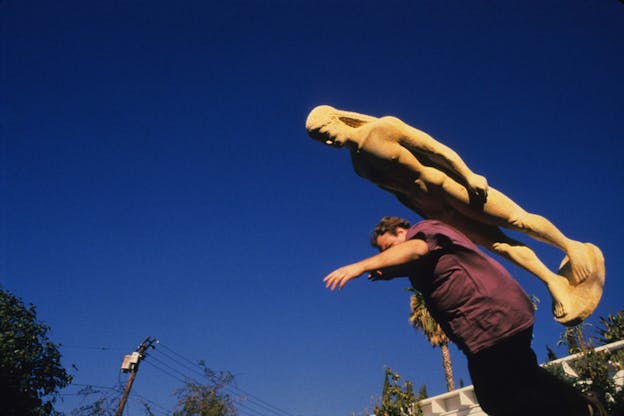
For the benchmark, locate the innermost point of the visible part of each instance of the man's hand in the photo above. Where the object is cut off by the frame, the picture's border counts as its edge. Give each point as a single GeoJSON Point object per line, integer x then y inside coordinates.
{"type": "Point", "coordinates": [392, 262]}
{"type": "Point", "coordinates": [389, 273]}
{"type": "Point", "coordinates": [376, 275]}
{"type": "Point", "coordinates": [340, 277]}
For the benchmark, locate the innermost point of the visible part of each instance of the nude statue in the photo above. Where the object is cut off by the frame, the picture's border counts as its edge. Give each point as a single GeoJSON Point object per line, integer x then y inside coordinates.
{"type": "Point", "coordinates": [433, 181]}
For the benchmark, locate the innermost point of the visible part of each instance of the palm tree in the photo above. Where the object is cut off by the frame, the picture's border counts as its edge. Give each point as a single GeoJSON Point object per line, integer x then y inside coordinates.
{"type": "Point", "coordinates": [423, 321]}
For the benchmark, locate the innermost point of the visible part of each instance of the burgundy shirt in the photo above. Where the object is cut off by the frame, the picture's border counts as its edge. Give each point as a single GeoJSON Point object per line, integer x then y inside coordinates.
{"type": "Point", "coordinates": [472, 296]}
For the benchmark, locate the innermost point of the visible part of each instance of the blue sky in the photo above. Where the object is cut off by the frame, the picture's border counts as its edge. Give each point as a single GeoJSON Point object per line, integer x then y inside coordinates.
{"type": "Point", "coordinates": [156, 177]}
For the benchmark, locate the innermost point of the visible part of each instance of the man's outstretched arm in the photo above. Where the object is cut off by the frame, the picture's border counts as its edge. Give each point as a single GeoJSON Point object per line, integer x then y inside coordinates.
{"type": "Point", "coordinates": [397, 255]}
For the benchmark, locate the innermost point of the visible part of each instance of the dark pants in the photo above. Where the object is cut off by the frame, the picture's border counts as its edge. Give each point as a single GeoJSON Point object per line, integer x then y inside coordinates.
{"type": "Point", "coordinates": [508, 381]}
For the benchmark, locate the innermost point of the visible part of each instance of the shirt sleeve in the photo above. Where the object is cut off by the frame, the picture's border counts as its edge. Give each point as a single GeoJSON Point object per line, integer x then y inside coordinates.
{"type": "Point", "coordinates": [435, 237]}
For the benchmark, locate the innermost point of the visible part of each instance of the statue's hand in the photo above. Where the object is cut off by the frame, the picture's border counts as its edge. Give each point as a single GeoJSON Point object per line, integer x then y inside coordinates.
{"type": "Point", "coordinates": [478, 186]}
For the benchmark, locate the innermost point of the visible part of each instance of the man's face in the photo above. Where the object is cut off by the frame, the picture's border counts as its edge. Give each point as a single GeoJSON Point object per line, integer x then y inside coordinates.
{"type": "Point", "coordinates": [387, 240]}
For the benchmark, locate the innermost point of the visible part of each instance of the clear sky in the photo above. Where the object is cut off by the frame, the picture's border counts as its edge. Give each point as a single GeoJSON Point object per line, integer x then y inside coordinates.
{"type": "Point", "coordinates": [157, 179]}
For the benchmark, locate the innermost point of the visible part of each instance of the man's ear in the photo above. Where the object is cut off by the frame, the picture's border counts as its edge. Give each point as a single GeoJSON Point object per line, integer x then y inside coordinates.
{"type": "Point", "coordinates": [401, 232]}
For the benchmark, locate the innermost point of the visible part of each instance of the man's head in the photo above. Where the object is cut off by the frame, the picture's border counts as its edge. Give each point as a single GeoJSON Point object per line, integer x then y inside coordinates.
{"type": "Point", "coordinates": [389, 232]}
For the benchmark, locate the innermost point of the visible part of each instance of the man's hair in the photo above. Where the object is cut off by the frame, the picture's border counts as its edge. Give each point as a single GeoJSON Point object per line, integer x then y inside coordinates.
{"type": "Point", "coordinates": [388, 225]}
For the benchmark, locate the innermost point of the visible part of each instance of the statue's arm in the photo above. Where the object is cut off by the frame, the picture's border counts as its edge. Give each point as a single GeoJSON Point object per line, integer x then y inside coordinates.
{"type": "Point", "coordinates": [419, 142]}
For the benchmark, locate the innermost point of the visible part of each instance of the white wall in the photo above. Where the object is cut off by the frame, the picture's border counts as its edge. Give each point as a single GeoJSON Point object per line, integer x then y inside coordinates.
{"type": "Point", "coordinates": [463, 402]}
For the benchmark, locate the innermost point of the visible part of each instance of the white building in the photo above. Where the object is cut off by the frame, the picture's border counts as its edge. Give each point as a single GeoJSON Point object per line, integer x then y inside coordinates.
{"type": "Point", "coordinates": [462, 402]}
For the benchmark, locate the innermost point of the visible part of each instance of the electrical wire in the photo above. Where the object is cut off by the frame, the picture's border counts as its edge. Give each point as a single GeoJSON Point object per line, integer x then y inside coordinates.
{"type": "Point", "coordinates": [250, 410]}
{"type": "Point", "coordinates": [181, 363]}
{"type": "Point", "coordinates": [254, 412]}
{"type": "Point", "coordinates": [94, 386]}
{"type": "Point", "coordinates": [161, 409]}
{"type": "Point", "coordinates": [103, 348]}
{"type": "Point", "coordinates": [274, 409]}
{"type": "Point", "coordinates": [166, 372]}
{"type": "Point", "coordinates": [160, 357]}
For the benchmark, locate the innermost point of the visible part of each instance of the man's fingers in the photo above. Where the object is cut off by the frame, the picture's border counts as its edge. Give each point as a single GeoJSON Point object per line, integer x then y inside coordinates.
{"type": "Point", "coordinates": [338, 278]}
{"type": "Point", "coordinates": [335, 282]}
{"type": "Point", "coordinates": [331, 281]}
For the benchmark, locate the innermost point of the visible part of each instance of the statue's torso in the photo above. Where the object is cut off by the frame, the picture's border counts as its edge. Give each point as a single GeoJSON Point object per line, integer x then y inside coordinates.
{"type": "Point", "coordinates": [402, 182]}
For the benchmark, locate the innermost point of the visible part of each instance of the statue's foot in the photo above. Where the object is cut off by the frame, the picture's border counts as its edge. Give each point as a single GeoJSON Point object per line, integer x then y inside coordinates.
{"type": "Point", "coordinates": [559, 289]}
{"type": "Point", "coordinates": [558, 310]}
{"type": "Point", "coordinates": [580, 257]}
{"type": "Point", "coordinates": [583, 298]}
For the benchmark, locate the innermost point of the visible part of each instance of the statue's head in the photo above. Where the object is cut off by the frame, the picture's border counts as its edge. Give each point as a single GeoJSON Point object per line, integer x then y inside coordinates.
{"type": "Point", "coordinates": [334, 127]}
{"type": "Point", "coordinates": [321, 126]}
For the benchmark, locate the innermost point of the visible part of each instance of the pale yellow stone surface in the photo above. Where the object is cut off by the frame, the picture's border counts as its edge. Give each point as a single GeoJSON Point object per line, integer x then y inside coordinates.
{"type": "Point", "coordinates": [433, 181]}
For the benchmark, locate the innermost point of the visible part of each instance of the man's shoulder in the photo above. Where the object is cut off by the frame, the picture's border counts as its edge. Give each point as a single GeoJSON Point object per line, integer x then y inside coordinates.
{"type": "Point", "coordinates": [433, 225]}
{"type": "Point", "coordinates": [445, 234]}
{"type": "Point", "coordinates": [426, 229]}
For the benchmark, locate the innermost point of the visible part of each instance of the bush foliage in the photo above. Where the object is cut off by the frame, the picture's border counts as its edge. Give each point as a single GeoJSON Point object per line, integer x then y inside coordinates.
{"type": "Point", "coordinates": [31, 374]}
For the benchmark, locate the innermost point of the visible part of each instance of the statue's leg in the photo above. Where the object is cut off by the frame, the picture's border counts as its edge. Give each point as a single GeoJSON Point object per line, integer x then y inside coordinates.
{"type": "Point", "coordinates": [492, 238]}
{"type": "Point", "coordinates": [541, 229]}
{"type": "Point", "coordinates": [501, 211]}
{"type": "Point", "coordinates": [571, 303]}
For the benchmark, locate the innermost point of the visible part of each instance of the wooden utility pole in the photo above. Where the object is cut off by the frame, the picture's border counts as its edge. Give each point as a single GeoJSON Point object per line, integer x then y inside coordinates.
{"type": "Point", "coordinates": [131, 364]}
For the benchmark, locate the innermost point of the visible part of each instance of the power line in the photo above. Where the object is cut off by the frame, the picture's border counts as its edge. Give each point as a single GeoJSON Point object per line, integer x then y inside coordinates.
{"type": "Point", "coordinates": [94, 386]}
{"type": "Point", "coordinates": [173, 368]}
{"type": "Point", "coordinates": [166, 372]}
{"type": "Point", "coordinates": [261, 402]}
{"type": "Point", "coordinates": [88, 348]}
{"type": "Point", "coordinates": [192, 368]}
{"type": "Point", "coordinates": [159, 407]}
{"type": "Point", "coordinates": [110, 390]}
{"type": "Point", "coordinates": [244, 401]}
{"type": "Point", "coordinates": [253, 412]}
{"type": "Point", "coordinates": [179, 355]}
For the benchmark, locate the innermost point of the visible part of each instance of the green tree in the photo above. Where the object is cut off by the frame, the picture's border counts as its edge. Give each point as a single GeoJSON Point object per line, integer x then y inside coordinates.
{"type": "Point", "coordinates": [550, 354]}
{"type": "Point", "coordinates": [422, 392]}
{"type": "Point", "coordinates": [196, 399]}
{"type": "Point", "coordinates": [397, 399]}
{"type": "Point", "coordinates": [31, 374]}
{"type": "Point", "coordinates": [573, 338]}
{"type": "Point", "coordinates": [423, 321]}
{"type": "Point", "coordinates": [594, 369]}
{"type": "Point", "coordinates": [612, 328]}
{"type": "Point", "coordinates": [97, 401]}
